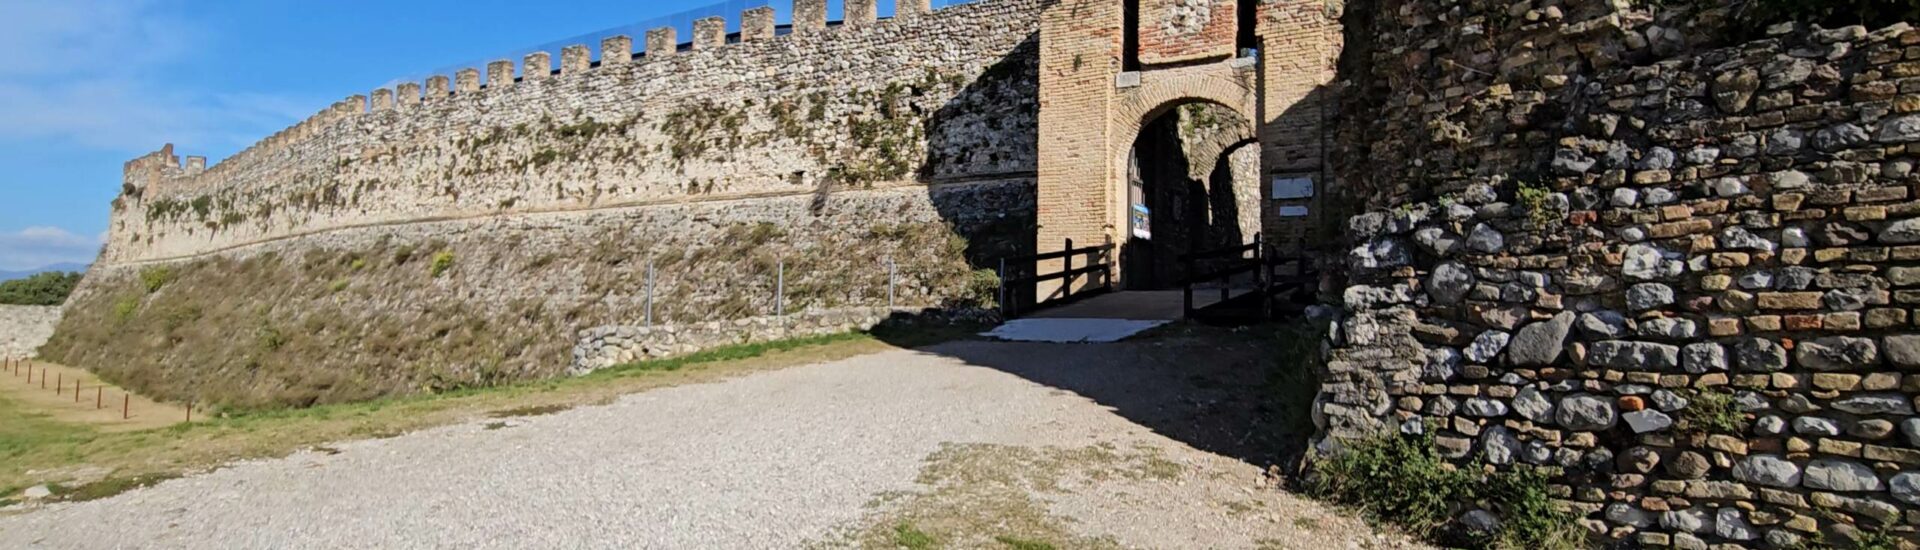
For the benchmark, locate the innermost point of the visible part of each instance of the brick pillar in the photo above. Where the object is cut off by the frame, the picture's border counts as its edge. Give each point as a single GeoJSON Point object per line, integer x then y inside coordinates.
{"type": "Point", "coordinates": [500, 74]}
{"type": "Point", "coordinates": [709, 33]}
{"type": "Point", "coordinates": [662, 42]}
{"type": "Point", "coordinates": [1076, 186]}
{"type": "Point", "coordinates": [539, 65]}
{"type": "Point", "coordinates": [861, 13]}
{"type": "Point", "coordinates": [575, 59]}
{"type": "Point", "coordinates": [616, 50]}
{"type": "Point", "coordinates": [809, 16]}
{"type": "Point", "coordinates": [466, 80]}
{"type": "Point", "coordinates": [756, 24]}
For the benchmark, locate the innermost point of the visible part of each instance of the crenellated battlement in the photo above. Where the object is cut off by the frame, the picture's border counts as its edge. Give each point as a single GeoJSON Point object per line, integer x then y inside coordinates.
{"type": "Point", "coordinates": [757, 24]}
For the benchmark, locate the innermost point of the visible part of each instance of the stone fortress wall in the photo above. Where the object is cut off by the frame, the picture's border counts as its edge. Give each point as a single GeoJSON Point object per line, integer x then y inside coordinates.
{"type": "Point", "coordinates": [470, 230]}
{"type": "Point", "coordinates": [24, 328]}
{"type": "Point", "coordinates": [926, 97]}
{"type": "Point", "coordinates": [1679, 269]}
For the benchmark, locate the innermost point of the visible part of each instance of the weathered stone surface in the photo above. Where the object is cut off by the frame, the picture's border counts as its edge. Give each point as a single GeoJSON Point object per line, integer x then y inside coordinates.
{"type": "Point", "coordinates": [1533, 405]}
{"type": "Point", "coordinates": [1905, 486]}
{"type": "Point", "coordinates": [1879, 403]}
{"type": "Point", "coordinates": [1837, 353]}
{"type": "Point", "coordinates": [1760, 355]}
{"type": "Point", "coordinates": [1769, 470]}
{"type": "Point", "coordinates": [1450, 282]}
{"type": "Point", "coordinates": [1485, 239]}
{"type": "Point", "coordinates": [1645, 296]}
{"type": "Point", "coordinates": [1584, 412]}
{"type": "Point", "coordinates": [1903, 350]}
{"type": "Point", "coordinates": [1905, 231]}
{"type": "Point", "coordinates": [1541, 343]}
{"type": "Point", "coordinates": [1691, 520]}
{"type": "Point", "coordinates": [1647, 421]}
{"type": "Point", "coordinates": [1499, 446]}
{"type": "Point", "coordinates": [1730, 523]}
{"type": "Point", "coordinates": [1840, 475]}
{"type": "Point", "coordinates": [1632, 355]}
{"type": "Point", "coordinates": [1487, 346]}
{"type": "Point", "coordinates": [1603, 324]}
{"type": "Point", "coordinates": [1703, 358]}
{"type": "Point", "coordinates": [1689, 465]}
{"type": "Point", "coordinates": [1483, 407]}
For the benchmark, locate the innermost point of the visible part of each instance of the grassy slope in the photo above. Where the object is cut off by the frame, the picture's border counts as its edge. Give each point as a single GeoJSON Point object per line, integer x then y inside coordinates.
{"type": "Point", "coordinates": [337, 325]}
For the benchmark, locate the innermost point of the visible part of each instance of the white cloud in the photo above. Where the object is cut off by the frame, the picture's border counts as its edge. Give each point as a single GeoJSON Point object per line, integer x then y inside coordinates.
{"type": "Point", "coordinates": [93, 73]}
{"type": "Point", "coordinates": [36, 247]}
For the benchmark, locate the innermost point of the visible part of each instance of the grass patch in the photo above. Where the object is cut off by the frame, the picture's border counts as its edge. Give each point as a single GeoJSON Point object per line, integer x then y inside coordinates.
{"type": "Point", "coordinates": [1713, 412]}
{"type": "Point", "coordinates": [908, 536]}
{"type": "Point", "coordinates": [530, 410]}
{"type": "Point", "coordinates": [983, 496]}
{"type": "Point", "coordinates": [1401, 480]}
{"type": "Point", "coordinates": [442, 262]}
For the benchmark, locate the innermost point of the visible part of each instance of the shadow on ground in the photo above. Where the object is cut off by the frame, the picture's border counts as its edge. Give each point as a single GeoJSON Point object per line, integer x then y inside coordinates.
{"type": "Point", "coordinates": [1220, 390]}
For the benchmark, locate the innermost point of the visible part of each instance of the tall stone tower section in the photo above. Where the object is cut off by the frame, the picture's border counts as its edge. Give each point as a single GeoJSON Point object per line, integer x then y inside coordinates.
{"type": "Point", "coordinates": [1112, 67]}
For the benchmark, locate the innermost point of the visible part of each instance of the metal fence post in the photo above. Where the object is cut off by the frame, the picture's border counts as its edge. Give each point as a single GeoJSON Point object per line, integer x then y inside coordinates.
{"type": "Point", "coordinates": [780, 291]}
{"type": "Point", "coordinates": [892, 271]}
{"type": "Point", "coordinates": [649, 294]}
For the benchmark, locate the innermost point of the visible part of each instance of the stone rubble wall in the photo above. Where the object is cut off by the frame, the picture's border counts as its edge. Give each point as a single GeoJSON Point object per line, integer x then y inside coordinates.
{"type": "Point", "coordinates": [1682, 277]}
{"type": "Point", "coordinates": [24, 328]}
{"type": "Point", "coordinates": [829, 150]}
{"type": "Point", "coordinates": [607, 346]}
{"type": "Point", "coordinates": [946, 96]}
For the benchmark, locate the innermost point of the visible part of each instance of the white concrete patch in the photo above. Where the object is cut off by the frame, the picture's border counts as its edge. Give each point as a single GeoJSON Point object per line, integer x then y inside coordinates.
{"type": "Point", "coordinates": [1070, 330]}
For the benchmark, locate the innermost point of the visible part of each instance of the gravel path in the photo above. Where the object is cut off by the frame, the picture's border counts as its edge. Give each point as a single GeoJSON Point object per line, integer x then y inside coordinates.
{"type": "Point", "coordinates": [772, 460]}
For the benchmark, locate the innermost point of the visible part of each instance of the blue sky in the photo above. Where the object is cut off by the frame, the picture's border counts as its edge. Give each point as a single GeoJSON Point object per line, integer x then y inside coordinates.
{"type": "Point", "coordinates": [88, 84]}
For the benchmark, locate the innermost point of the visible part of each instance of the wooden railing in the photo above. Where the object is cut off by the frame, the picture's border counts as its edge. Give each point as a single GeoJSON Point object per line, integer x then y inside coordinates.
{"type": "Point", "coordinates": [1269, 280]}
{"type": "Point", "coordinates": [1237, 262]}
{"type": "Point", "coordinates": [1012, 285]}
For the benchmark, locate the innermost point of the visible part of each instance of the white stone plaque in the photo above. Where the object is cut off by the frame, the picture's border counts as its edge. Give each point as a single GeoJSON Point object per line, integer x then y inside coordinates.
{"type": "Point", "coordinates": [1292, 188]}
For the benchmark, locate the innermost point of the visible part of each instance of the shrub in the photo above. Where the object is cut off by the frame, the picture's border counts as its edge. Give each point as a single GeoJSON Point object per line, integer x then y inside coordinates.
{"type": "Point", "coordinates": [1401, 479]}
{"type": "Point", "coordinates": [442, 262]}
{"type": "Point", "coordinates": [45, 289]}
{"type": "Point", "coordinates": [156, 277]}
{"type": "Point", "coordinates": [1393, 478]}
{"type": "Point", "coordinates": [984, 287]}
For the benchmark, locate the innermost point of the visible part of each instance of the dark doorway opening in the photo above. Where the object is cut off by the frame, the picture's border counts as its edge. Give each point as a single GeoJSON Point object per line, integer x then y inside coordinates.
{"type": "Point", "coordinates": [1192, 186]}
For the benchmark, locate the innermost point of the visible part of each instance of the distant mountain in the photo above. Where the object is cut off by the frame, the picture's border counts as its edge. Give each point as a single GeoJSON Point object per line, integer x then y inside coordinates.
{"type": "Point", "coordinates": [11, 275]}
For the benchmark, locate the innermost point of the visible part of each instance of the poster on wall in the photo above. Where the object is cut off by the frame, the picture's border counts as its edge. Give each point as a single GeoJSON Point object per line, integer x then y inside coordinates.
{"type": "Point", "coordinates": [1141, 222]}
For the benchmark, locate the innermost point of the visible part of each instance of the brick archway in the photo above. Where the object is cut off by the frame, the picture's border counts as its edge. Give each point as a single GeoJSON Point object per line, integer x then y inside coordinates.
{"type": "Point", "coordinates": [1099, 88]}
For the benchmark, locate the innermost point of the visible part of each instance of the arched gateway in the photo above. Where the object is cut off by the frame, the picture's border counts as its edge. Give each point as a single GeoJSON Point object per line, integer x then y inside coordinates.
{"type": "Point", "coordinates": [1194, 83]}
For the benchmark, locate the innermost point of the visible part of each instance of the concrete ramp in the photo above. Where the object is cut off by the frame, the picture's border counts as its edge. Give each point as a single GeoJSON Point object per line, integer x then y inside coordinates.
{"type": "Point", "coordinates": [1071, 330]}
